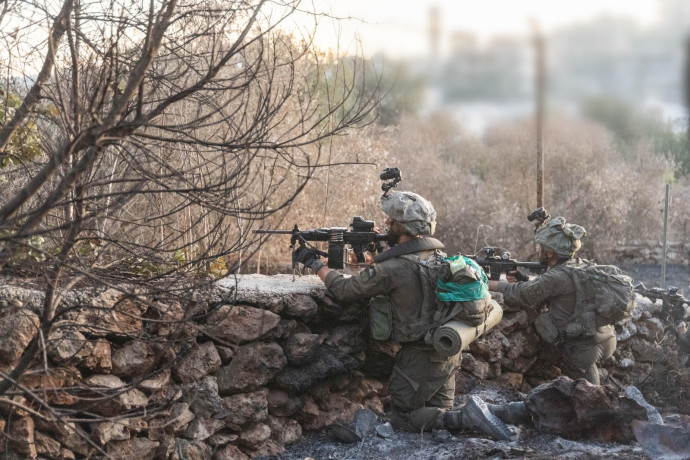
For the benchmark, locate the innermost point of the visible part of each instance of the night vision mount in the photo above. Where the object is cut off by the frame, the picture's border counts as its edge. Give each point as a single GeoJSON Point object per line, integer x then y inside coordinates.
{"type": "Point", "coordinates": [393, 176]}
{"type": "Point", "coordinates": [541, 215]}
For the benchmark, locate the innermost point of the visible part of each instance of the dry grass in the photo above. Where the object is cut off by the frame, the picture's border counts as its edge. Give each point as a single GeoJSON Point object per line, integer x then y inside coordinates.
{"type": "Point", "coordinates": [483, 188]}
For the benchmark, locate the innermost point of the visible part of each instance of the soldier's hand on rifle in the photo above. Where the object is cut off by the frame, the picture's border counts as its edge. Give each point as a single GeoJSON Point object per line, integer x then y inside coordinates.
{"type": "Point", "coordinates": [352, 257]}
{"type": "Point", "coordinates": [516, 275]}
{"type": "Point", "coordinates": [306, 256]}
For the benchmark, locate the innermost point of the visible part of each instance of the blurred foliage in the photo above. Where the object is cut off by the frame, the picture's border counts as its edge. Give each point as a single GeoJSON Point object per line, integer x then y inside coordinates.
{"type": "Point", "coordinates": [631, 126]}
{"type": "Point", "coordinates": [25, 145]}
{"type": "Point", "coordinates": [483, 188]}
{"type": "Point", "coordinates": [402, 93]}
{"type": "Point", "coordinates": [398, 92]}
{"type": "Point", "coordinates": [32, 250]}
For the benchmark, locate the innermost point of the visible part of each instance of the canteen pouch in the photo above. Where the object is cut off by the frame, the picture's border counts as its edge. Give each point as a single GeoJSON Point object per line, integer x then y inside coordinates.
{"type": "Point", "coordinates": [546, 328]}
{"type": "Point", "coordinates": [380, 318]}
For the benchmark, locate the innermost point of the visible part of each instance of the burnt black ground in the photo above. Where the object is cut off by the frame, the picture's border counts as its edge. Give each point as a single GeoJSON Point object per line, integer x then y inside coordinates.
{"type": "Point", "coordinates": [650, 275]}
{"type": "Point", "coordinates": [443, 445]}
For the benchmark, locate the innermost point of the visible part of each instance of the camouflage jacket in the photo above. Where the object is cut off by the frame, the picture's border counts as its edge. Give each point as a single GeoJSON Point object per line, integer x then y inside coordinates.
{"type": "Point", "coordinates": [393, 276]}
{"type": "Point", "coordinates": [554, 288]}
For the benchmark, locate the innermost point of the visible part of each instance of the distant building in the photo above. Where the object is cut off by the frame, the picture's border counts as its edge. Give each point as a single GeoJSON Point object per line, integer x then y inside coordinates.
{"type": "Point", "coordinates": [607, 57]}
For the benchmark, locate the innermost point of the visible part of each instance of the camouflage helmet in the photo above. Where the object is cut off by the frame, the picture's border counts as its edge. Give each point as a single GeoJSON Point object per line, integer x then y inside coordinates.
{"type": "Point", "coordinates": [415, 213]}
{"type": "Point", "coordinates": [561, 238]}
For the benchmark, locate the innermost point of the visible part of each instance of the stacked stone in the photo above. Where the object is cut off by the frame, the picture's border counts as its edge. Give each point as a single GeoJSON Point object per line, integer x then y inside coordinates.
{"type": "Point", "coordinates": [237, 379]}
{"type": "Point", "coordinates": [513, 356]}
{"type": "Point", "coordinates": [240, 373]}
{"type": "Point", "coordinates": [506, 356]}
{"type": "Point", "coordinates": [652, 252]}
{"type": "Point", "coordinates": [650, 356]}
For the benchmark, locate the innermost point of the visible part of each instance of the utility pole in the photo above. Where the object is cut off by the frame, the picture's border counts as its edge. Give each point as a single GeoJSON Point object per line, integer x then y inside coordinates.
{"type": "Point", "coordinates": [665, 236]}
{"type": "Point", "coordinates": [685, 163]}
{"type": "Point", "coordinates": [539, 85]}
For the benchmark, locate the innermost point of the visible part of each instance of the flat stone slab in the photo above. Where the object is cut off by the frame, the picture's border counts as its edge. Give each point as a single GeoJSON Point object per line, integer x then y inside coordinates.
{"type": "Point", "coordinates": [263, 289]}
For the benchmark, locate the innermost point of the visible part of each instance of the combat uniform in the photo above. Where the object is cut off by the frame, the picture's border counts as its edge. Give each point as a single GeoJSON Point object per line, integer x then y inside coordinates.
{"type": "Point", "coordinates": [556, 289]}
{"type": "Point", "coordinates": [422, 385]}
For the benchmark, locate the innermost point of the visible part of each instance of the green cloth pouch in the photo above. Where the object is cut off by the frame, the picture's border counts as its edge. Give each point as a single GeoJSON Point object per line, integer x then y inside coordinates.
{"type": "Point", "coordinates": [380, 318]}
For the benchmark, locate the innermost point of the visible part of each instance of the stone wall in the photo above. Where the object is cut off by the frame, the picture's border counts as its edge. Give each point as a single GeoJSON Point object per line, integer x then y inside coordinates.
{"type": "Point", "coordinates": [652, 252]}
{"type": "Point", "coordinates": [243, 371]}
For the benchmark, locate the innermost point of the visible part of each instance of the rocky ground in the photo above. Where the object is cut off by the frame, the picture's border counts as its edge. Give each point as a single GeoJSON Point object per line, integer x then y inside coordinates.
{"type": "Point", "coordinates": [268, 367]}
{"type": "Point", "coordinates": [443, 445]}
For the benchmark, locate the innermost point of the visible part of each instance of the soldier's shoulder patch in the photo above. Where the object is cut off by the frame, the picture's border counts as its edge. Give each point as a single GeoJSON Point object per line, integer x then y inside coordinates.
{"type": "Point", "coordinates": [367, 274]}
{"type": "Point", "coordinates": [534, 290]}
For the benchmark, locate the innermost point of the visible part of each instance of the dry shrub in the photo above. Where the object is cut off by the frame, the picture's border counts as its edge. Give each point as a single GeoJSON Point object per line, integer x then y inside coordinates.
{"type": "Point", "coordinates": [668, 382]}
{"type": "Point", "coordinates": [331, 198]}
{"type": "Point", "coordinates": [484, 189]}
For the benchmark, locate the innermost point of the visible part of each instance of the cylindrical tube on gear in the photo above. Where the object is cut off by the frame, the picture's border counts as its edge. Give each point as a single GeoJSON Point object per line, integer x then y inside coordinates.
{"type": "Point", "coordinates": [455, 336]}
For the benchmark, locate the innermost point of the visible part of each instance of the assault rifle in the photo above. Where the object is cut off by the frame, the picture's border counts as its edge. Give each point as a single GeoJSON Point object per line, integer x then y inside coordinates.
{"type": "Point", "coordinates": [360, 235]}
{"type": "Point", "coordinates": [672, 302]}
{"type": "Point", "coordinates": [494, 264]}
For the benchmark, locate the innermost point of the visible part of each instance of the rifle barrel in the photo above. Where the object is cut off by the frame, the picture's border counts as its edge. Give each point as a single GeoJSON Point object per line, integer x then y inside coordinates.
{"type": "Point", "coordinates": [534, 265]}
{"type": "Point", "coordinates": [517, 263]}
{"type": "Point", "coordinates": [275, 232]}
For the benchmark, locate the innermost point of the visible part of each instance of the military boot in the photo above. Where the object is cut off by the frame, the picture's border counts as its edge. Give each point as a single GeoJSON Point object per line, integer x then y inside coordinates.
{"type": "Point", "coordinates": [476, 416]}
{"type": "Point", "coordinates": [514, 413]}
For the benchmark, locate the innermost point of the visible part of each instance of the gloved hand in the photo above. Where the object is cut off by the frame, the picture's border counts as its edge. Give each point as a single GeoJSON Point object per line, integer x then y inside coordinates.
{"type": "Point", "coordinates": [516, 275]}
{"type": "Point", "coordinates": [305, 256]}
{"type": "Point", "coordinates": [521, 276]}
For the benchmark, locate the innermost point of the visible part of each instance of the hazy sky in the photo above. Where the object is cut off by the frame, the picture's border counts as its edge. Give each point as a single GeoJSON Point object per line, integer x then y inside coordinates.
{"type": "Point", "coordinates": [401, 27]}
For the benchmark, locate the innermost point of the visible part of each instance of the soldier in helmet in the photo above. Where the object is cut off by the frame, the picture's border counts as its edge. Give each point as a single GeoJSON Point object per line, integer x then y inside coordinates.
{"type": "Point", "coordinates": [557, 243]}
{"type": "Point", "coordinates": [422, 384]}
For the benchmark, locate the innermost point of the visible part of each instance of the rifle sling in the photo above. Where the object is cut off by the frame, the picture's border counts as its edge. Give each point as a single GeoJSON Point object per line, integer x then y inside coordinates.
{"type": "Point", "coordinates": [409, 247]}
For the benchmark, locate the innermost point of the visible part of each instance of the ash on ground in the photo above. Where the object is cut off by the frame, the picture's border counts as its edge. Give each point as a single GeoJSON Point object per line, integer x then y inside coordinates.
{"type": "Point", "coordinates": [442, 444]}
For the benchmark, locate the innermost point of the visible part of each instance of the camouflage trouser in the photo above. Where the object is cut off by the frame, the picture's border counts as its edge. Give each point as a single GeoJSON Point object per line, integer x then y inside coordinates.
{"type": "Point", "coordinates": [577, 357]}
{"type": "Point", "coordinates": [422, 387]}
{"type": "Point", "coordinates": [582, 354]}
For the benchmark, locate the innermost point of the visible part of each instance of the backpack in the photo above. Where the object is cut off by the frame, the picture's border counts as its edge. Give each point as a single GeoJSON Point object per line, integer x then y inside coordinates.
{"type": "Point", "coordinates": [453, 288]}
{"type": "Point", "coordinates": [463, 284]}
{"type": "Point", "coordinates": [604, 295]}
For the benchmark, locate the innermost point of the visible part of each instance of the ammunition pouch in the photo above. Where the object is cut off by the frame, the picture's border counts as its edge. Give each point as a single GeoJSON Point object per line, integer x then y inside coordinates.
{"type": "Point", "coordinates": [546, 328]}
{"type": "Point", "coordinates": [583, 325]}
